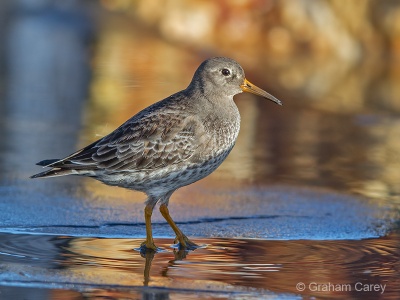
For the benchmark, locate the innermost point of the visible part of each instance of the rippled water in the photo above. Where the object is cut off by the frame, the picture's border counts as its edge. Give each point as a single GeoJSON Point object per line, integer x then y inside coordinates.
{"type": "Point", "coordinates": [231, 268]}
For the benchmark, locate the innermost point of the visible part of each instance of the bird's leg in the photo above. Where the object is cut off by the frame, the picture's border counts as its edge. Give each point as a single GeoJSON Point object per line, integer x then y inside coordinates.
{"type": "Point", "coordinates": [183, 240]}
{"type": "Point", "coordinates": [149, 242]}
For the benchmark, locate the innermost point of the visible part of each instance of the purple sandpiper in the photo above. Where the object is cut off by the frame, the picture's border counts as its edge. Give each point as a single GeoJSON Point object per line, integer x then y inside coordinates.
{"type": "Point", "coordinates": [170, 144]}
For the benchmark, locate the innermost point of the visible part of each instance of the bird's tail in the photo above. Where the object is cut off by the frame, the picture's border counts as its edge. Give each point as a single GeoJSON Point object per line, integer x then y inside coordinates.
{"type": "Point", "coordinates": [47, 162]}
{"type": "Point", "coordinates": [54, 171]}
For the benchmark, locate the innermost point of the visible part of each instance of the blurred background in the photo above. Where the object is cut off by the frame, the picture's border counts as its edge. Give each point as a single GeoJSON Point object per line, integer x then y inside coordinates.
{"type": "Point", "coordinates": [72, 71]}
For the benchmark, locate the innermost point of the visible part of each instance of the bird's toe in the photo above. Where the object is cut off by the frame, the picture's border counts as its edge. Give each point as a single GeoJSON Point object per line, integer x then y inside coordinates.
{"type": "Point", "coordinates": [184, 243]}
{"type": "Point", "coordinates": [148, 246]}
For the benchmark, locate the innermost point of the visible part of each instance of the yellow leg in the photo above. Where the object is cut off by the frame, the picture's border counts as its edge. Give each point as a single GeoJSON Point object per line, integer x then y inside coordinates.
{"type": "Point", "coordinates": [184, 242]}
{"type": "Point", "coordinates": [149, 243]}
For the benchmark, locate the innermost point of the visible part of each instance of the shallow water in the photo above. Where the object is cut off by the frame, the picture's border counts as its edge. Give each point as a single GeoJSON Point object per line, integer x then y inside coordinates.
{"type": "Point", "coordinates": [222, 268]}
{"type": "Point", "coordinates": [306, 196]}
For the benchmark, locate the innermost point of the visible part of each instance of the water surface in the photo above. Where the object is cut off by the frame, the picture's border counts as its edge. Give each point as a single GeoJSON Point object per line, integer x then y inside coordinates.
{"type": "Point", "coordinates": [223, 268]}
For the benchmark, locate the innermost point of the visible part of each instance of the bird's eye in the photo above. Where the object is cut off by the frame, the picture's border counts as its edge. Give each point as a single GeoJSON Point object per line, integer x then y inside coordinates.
{"type": "Point", "coordinates": [225, 72]}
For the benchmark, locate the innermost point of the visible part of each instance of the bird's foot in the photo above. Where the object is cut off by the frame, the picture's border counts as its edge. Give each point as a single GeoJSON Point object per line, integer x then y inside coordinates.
{"type": "Point", "coordinates": [182, 242]}
{"type": "Point", "coordinates": [147, 246]}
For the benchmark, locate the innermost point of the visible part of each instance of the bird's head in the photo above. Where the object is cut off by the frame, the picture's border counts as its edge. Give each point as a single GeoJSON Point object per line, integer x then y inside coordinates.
{"type": "Point", "coordinates": [221, 75]}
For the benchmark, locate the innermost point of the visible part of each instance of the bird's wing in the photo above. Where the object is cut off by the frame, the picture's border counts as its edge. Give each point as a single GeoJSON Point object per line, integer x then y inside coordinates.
{"type": "Point", "coordinates": [151, 142]}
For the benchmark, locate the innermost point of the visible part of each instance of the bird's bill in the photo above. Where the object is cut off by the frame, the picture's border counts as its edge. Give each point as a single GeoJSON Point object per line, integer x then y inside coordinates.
{"type": "Point", "coordinates": [247, 86]}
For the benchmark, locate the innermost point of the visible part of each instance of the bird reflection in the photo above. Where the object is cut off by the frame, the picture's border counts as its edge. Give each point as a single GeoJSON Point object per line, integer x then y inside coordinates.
{"type": "Point", "coordinates": [116, 262]}
{"type": "Point", "coordinates": [148, 255]}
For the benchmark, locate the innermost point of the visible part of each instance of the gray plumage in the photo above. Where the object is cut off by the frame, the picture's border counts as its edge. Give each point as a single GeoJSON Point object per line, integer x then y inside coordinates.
{"type": "Point", "coordinates": [171, 143]}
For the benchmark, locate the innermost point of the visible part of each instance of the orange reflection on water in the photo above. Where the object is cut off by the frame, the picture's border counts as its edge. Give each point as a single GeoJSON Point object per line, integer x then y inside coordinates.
{"type": "Point", "coordinates": [100, 266]}
{"type": "Point", "coordinates": [225, 264]}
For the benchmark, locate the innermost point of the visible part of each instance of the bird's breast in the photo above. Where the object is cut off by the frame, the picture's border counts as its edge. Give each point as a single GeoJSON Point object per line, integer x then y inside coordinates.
{"type": "Point", "coordinates": [223, 130]}
{"type": "Point", "coordinates": [225, 135]}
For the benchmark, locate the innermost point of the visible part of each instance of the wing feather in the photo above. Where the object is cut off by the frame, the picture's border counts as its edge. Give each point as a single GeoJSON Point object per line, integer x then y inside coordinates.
{"type": "Point", "coordinates": [151, 142]}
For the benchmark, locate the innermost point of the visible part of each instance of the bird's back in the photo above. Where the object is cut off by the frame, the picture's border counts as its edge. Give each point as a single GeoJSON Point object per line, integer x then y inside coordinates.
{"type": "Point", "coordinates": [174, 142]}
